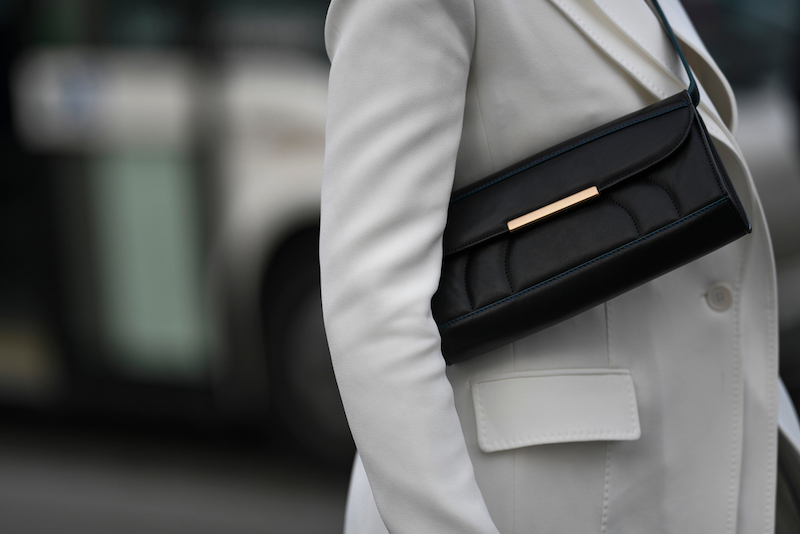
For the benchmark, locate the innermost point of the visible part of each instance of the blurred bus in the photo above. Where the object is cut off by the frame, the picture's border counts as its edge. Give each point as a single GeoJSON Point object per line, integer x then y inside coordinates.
{"type": "Point", "coordinates": [166, 159]}
{"type": "Point", "coordinates": [159, 209]}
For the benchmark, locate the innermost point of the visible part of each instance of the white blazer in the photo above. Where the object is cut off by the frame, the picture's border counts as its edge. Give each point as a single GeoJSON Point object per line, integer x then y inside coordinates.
{"type": "Point", "coordinates": [655, 412]}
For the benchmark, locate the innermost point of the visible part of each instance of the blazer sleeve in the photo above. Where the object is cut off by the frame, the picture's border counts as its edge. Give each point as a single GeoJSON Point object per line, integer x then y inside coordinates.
{"type": "Point", "coordinates": [397, 88]}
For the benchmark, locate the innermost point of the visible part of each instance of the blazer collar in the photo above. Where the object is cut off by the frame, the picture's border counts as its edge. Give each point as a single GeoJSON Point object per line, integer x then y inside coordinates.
{"type": "Point", "coordinates": [704, 67]}
{"type": "Point", "coordinates": [632, 35]}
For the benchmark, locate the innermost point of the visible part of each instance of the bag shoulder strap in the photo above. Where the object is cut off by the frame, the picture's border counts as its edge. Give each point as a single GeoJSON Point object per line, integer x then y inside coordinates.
{"type": "Point", "coordinates": [694, 92]}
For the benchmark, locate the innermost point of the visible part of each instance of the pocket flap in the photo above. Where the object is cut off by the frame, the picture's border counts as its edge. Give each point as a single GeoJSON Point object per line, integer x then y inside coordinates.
{"type": "Point", "coordinates": [522, 409]}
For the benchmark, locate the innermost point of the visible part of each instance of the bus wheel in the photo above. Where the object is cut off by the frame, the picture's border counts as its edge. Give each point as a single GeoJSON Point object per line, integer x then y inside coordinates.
{"type": "Point", "coordinates": [302, 383]}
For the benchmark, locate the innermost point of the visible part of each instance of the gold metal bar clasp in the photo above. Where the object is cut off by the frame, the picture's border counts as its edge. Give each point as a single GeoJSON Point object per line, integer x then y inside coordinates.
{"type": "Point", "coordinates": [550, 209]}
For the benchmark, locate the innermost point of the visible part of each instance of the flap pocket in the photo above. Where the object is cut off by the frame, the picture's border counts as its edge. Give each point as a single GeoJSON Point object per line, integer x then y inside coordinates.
{"type": "Point", "coordinates": [534, 408]}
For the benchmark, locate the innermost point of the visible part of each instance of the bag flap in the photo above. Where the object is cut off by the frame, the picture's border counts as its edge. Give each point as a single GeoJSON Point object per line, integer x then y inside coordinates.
{"type": "Point", "coordinates": [601, 157]}
{"type": "Point", "coordinates": [567, 405]}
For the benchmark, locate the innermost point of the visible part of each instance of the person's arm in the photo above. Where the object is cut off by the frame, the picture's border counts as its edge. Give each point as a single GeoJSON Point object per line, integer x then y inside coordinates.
{"type": "Point", "coordinates": [396, 102]}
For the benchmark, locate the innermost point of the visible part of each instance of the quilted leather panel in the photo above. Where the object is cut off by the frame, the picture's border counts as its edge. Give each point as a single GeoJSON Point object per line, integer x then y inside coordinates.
{"type": "Point", "coordinates": [584, 286]}
{"type": "Point", "coordinates": [662, 206]}
{"type": "Point", "coordinates": [487, 278]}
{"type": "Point", "coordinates": [574, 238]}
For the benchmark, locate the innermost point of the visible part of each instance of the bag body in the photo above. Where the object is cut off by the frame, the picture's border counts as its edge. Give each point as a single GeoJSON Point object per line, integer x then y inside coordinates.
{"type": "Point", "coordinates": [660, 198]}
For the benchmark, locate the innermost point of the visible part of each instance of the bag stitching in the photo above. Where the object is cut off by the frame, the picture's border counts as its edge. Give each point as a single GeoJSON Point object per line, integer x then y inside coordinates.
{"type": "Point", "coordinates": [671, 198]}
{"type": "Point", "coordinates": [635, 225]}
{"type": "Point", "coordinates": [586, 264]}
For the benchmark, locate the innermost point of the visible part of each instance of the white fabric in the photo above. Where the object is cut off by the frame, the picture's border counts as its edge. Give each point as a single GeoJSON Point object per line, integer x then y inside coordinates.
{"type": "Point", "coordinates": [361, 514]}
{"type": "Point", "coordinates": [428, 95]}
{"type": "Point", "coordinates": [558, 406]}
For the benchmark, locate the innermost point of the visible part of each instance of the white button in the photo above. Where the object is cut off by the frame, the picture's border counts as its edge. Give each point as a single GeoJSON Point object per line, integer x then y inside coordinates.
{"type": "Point", "coordinates": [720, 297]}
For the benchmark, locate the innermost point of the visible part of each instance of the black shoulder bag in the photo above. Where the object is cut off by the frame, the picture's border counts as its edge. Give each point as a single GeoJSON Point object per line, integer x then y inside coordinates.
{"type": "Point", "coordinates": [582, 222]}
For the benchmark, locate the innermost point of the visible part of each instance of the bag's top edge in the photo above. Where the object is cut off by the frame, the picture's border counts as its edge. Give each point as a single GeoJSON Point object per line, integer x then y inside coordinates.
{"type": "Point", "coordinates": [598, 159]}
{"type": "Point", "coordinates": [673, 103]}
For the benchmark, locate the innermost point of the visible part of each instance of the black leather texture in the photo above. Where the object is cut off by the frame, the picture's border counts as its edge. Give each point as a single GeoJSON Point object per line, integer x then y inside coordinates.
{"type": "Point", "coordinates": [664, 201]}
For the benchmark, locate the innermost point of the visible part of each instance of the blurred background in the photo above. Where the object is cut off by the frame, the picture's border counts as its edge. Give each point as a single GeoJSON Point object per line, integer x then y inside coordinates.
{"type": "Point", "coordinates": [163, 365]}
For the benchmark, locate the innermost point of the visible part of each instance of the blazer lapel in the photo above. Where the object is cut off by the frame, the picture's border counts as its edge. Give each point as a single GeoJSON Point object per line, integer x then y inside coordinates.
{"type": "Point", "coordinates": [704, 67]}
{"type": "Point", "coordinates": [632, 36]}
